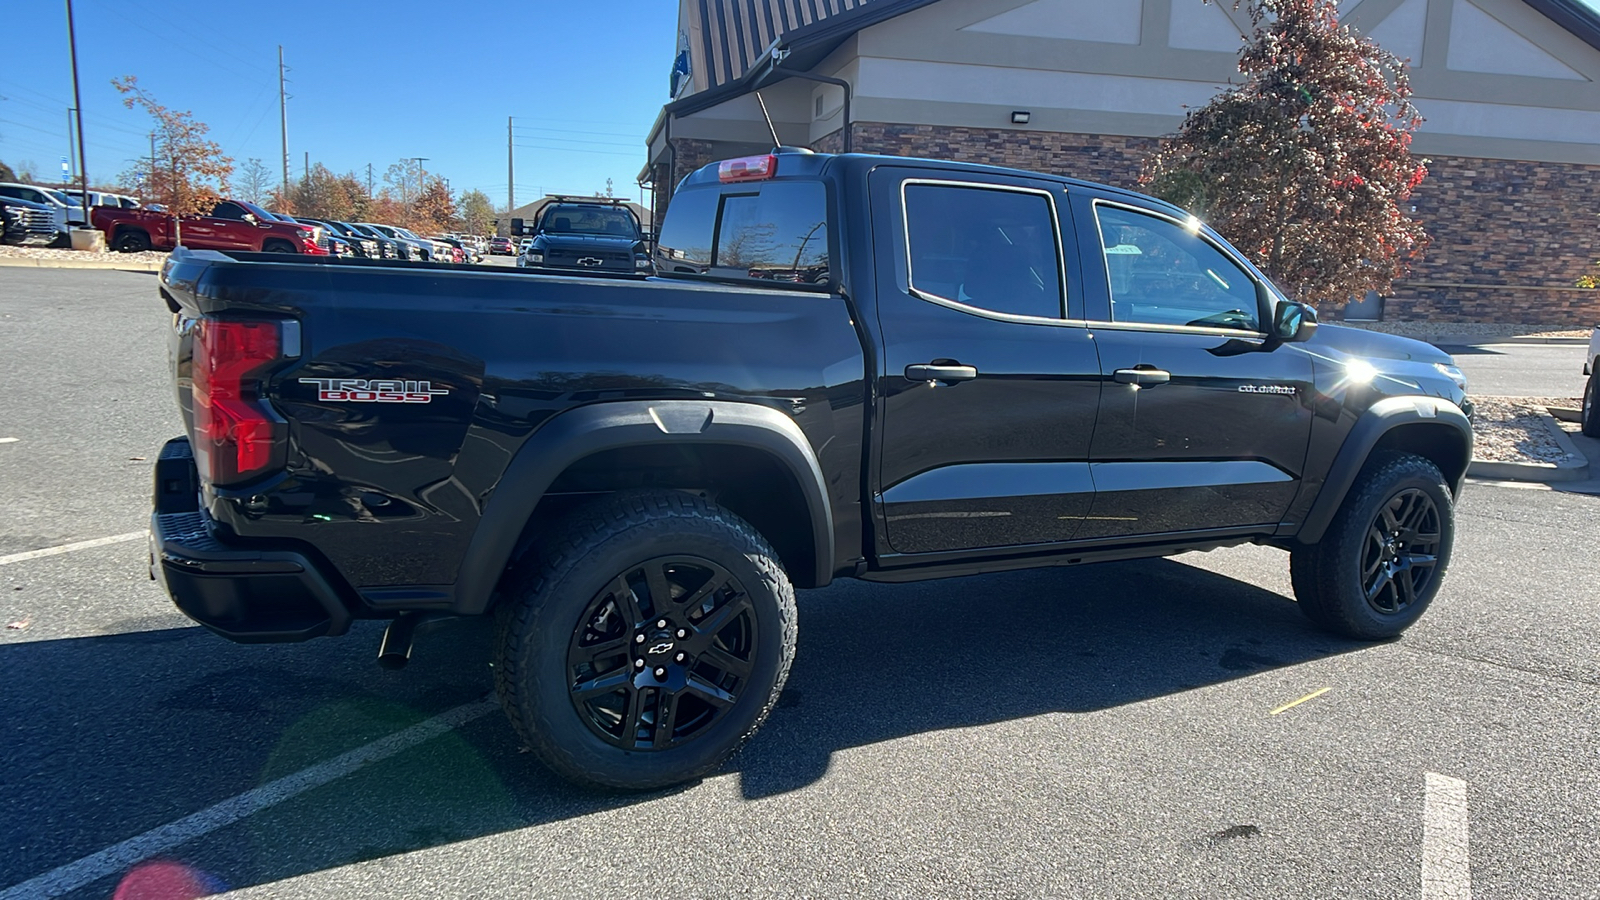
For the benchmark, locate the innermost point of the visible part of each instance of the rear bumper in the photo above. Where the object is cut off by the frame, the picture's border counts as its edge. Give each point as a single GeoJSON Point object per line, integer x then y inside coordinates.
{"type": "Point", "coordinates": [250, 595]}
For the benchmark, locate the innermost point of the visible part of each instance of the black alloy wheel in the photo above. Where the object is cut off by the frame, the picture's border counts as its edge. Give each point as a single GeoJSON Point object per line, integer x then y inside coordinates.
{"type": "Point", "coordinates": [661, 653]}
{"type": "Point", "coordinates": [1401, 553]}
{"type": "Point", "coordinates": [642, 639]}
{"type": "Point", "coordinates": [132, 241]}
{"type": "Point", "coordinates": [1381, 560]}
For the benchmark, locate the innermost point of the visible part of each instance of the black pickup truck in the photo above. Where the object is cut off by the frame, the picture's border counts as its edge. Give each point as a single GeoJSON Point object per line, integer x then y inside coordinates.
{"type": "Point", "coordinates": [584, 234]}
{"type": "Point", "coordinates": [846, 366]}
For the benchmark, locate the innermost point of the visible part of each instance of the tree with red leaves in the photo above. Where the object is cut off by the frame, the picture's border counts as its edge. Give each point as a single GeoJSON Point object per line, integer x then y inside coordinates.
{"type": "Point", "coordinates": [1307, 165]}
{"type": "Point", "coordinates": [190, 171]}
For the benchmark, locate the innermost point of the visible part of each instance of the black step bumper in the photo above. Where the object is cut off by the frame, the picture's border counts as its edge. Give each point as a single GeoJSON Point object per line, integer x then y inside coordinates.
{"type": "Point", "coordinates": [250, 595]}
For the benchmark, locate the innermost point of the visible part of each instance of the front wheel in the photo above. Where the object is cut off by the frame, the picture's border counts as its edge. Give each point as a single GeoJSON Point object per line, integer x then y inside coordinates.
{"type": "Point", "coordinates": [1383, 557]}
{"type": "Point", "coordinates": [1590, 420]}
{"type": "Point", "coordinates": [651, 640]}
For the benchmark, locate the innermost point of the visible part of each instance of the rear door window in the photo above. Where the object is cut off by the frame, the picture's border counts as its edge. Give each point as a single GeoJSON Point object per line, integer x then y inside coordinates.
{"type": "Point", "coordinates": [775, 232]}
{"type": "Point", "coordinates": [988, 248]}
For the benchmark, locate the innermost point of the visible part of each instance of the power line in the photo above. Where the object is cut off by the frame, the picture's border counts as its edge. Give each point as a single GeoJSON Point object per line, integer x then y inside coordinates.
{"type": "Point", "coordinates": [635, 135]}
{"type": "Point", "coordinates": [639, 153]}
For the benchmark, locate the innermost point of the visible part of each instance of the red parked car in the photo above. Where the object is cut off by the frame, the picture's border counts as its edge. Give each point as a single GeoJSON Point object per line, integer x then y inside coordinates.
{"type": "Point", "coordinates": [231, 225]}
{"type": "Point", "coordinates": [502, 246]}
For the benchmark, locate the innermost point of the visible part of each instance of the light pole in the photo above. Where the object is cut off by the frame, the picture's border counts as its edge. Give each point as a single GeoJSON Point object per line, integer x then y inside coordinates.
{"type": "Point", "coordinates": [77, 104]}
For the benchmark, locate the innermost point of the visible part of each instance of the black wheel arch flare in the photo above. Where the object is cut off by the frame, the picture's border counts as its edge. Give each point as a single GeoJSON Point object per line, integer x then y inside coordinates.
{"type": "Point", "coordinates": [587, 430]}
{"type": "Point", "coordinates": [1432, 427]}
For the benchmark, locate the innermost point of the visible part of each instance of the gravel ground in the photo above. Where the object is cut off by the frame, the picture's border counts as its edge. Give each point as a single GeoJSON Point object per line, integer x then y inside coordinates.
{"type": "Point", "coordinates": [7, 251]}
{"type": "Point", "coordinates": [1513, 429]}
{"type": "Point", "coordinates": [1486, 329]}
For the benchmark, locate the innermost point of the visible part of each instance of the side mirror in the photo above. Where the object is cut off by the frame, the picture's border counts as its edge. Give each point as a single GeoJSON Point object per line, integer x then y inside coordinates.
{"type": "Point", "coordinates": [1293, 322]}
{"type": "Point", "coordinates": [251, 218]}
{"type": "Point", "coordinates": [517, 229]}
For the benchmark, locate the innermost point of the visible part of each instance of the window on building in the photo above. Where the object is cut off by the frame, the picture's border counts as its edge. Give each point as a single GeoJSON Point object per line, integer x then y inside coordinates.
{"type": "Point", "coordinates": [771, 232]}
{"type": "Point", "coordinates": [1162, 273]}
{"type": "Point", "coordinates": [989, 248]}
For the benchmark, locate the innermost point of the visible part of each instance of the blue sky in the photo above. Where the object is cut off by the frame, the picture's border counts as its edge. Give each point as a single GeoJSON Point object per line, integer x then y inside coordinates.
{"type": "Point", "coordinates": [371, 82]}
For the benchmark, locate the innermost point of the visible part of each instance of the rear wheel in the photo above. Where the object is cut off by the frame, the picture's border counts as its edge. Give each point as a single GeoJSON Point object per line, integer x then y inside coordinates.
{"type": "Point", "coordinates": [1590, 420]}
{"type": "Point", "coordinates": [130, 240]}
{"type": "Point", "coordinates": [1383, 557]}
{"type": "Point", "coordinates": [649, 642]}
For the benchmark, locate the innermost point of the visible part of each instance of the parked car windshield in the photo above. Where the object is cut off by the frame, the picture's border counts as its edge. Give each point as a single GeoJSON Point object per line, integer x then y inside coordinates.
{"type": "Point", "coordinates": [590, 220]}
{"type": "Point", "coordinates": [262, 214]}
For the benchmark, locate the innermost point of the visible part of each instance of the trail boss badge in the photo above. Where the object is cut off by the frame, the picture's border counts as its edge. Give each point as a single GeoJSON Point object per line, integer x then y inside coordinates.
{"type": "Point", "coordinates": [360, 390]}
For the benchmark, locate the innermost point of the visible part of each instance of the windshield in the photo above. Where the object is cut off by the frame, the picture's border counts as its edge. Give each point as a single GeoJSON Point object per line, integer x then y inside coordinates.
{"type": "Point", "coordinates": [70, 201]}
{"type": "Point", "coordinates": [262, 214]}
{"type": "Point", "coordinates": [590, 220]}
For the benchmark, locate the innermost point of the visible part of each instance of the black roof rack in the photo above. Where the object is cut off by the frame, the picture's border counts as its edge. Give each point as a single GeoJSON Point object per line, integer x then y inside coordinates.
{"type": "Point", "coordinates": [597, 201]}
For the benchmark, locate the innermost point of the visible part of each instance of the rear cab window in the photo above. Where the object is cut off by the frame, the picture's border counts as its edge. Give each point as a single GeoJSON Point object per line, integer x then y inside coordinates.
{"type": "Point", "coordinates": [772, 232]}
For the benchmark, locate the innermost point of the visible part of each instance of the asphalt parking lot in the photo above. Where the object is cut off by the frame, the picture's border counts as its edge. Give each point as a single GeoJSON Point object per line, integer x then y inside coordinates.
{"type": "Point", "coordinates": [1126, 730]}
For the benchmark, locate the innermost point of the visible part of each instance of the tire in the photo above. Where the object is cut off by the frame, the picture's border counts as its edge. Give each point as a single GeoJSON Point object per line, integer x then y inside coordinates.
{"type": "Point", "coordinates": [277, 247]}
{"type": "Point", "coordinates": [1361, 554]}
{"type": "Point", "coordinates": [586, 615]}
{"type": "Point", "coordinates": [1590, 420]}
{"type": "Point", "coordinates": [131, 240]}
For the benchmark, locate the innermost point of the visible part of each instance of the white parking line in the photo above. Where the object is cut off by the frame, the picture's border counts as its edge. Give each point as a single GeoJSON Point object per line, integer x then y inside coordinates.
{"type": "Point", "coordinates": [119, 857]}
{"type": "Point", "coordinates": [9, 440]}
{"type": "Point", "coordinates": [68, 548]}
{"type": "Point", "coordinates": [1446, 865]}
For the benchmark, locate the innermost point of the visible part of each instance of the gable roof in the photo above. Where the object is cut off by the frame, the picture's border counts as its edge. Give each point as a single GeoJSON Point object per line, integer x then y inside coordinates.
{"type": "Point", "coordinates": [738, 37]}
{"type": "Point", "coordinates": [1583, 21]}
{"type": "Point", "coordinates": [739, 44]}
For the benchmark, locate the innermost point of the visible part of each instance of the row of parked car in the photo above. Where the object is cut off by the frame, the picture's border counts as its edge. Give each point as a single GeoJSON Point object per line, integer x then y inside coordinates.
{"type": "Point", "coordinates": [45, 216]}
{"type": "Point", "coordinates": [34, 214]}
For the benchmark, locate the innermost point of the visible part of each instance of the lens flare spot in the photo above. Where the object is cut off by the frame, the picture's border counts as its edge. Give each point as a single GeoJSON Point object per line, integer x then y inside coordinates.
{"type": "Point", "coordinates": [165, 879]}
{"type": "Point", "coordinates": [1359, 372]}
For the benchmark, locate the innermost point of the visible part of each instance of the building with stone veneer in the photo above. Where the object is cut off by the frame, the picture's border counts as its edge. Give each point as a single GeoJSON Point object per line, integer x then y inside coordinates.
{"type": "Point", "coordinates": [1510, 90]}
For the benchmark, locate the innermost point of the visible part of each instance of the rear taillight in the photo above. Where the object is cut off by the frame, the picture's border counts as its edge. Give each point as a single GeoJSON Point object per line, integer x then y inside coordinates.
{"type": "Point", "coordinates": [236, 436]}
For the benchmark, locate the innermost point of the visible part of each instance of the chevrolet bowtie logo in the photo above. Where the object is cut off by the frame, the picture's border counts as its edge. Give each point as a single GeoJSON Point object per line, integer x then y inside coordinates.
{"type": "Point", "coordinates": [588, 261]}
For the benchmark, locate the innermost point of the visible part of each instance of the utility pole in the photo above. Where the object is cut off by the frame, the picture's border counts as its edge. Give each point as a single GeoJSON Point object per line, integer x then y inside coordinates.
{"type": "Point", "coordinates": [77, 103]}
{"type": "Point", "coordinates": [369, 179]}
{"type": "Point", "coordinates": [283, 121]}
{"type": "Point", "coordinates": [151, 187]}
{"type": "Point", "coordinates": [305, 171]}
{"type": "Point", "coordinates": [511, 170]}
{"type": "Point", "coordinates": [419, 160]}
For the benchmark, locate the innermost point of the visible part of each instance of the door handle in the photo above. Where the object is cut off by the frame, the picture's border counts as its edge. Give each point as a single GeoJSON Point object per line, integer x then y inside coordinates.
{"type": "Point", "coordinates": [1143, 374]}
{"type": "Point", "coordinates": [931, 372]}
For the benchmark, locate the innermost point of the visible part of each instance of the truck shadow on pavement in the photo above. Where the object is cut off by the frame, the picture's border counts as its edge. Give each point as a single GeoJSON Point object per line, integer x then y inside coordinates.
{"type": "Point", "coordinates": [111, 736]}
